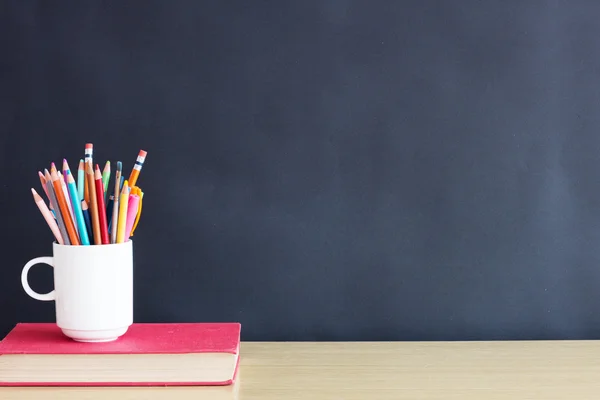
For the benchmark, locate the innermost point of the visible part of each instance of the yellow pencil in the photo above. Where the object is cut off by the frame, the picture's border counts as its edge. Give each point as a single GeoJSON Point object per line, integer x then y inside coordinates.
{"type": "Point", "coordinates": [123, 200]}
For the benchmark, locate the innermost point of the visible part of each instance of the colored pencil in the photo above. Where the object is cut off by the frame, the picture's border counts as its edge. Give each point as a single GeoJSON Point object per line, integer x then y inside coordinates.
{"type": "Point", "coordinates": [87, 208]}
{"type": "Point", "coordinates": [88, 220]}
{"type": "Point", "coordinates": [106, 179]}
{"type": "Point", "coordinates": [89, 176]}
{"type": "Point", "coordinates": [109, 210]}
{"type": "Point", "coordinates": [69, 202]}
{"type": "Point", "coordinates": [137, 168]}
{"type": "Point", "coordinates": [139, 213]}
{"type": "Point", "coordinates": [101, 206]}
{"type": "Point", "coordinates": [65, 168]}
{"type": "Point", "coordinates": [59, 218]}
{"type": "Point", "coordinates": [67, 199]}
{"type": "Point", "coordinates": [132, 208]}
{"type": "Point", "coordinates": [77, 210]}
{"type": "Point", "coordinates": [47, 216]}
{"type": "Point", "coordinates": [43, 182]}
{"type": "Point", "coordinates": [121, 223]}
{"type": "Point", "coordinates": [80, 180]}
{"type": "Point", "coordinates": [115, 212]}
{"type": "Point", "coordinates": [89, 152]}
{"type": "Point", "coordinates": [64, 209]}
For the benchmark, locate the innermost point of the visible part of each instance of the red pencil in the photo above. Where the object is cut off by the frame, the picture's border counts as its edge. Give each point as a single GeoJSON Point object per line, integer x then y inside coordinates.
{"type": "Point", "coordinates": [101, 206]}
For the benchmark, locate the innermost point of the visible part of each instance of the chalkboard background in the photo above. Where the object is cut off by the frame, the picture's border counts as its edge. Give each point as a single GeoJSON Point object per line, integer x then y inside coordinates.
{"type": "Point", "coordinates": [322, 170]}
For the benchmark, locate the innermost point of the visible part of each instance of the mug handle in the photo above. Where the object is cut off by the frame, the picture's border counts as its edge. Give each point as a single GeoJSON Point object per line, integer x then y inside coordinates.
{"type": "Point", "coordinates": [43, 297]}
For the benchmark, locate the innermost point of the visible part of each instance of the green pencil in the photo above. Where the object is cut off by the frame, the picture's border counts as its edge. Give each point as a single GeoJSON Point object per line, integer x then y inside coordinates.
{"type": "Point", "coordinates": [106, 178]}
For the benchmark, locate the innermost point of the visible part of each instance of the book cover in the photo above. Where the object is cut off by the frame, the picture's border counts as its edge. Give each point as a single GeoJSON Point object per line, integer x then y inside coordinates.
{"type": "Point", "coordinates": [186, 353]}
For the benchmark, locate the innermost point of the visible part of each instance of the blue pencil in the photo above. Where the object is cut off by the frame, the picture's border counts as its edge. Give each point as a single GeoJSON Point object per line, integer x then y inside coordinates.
{"type": "Point", "coordinates": [80, 180]}
{"type": "Point", "coordinates": [85, 241]}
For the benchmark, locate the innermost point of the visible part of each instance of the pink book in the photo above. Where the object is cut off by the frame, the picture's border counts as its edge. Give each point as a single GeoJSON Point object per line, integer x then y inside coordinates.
{"type": "Point", "coordinates": [192, 354]}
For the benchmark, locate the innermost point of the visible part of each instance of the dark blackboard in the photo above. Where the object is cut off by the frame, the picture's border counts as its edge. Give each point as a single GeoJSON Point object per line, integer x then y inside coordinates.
{"type": "Point", "coordinates": [323, 170]}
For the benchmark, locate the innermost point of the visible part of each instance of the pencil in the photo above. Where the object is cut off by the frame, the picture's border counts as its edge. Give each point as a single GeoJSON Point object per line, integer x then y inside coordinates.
{"type": "Point", "coordinates": [137, 167]}
{"type": "Point", "coordinates": [89, 150]}
{"type": "Point", "coordinates": [139, 213]}
{"type": "Point", "coordinates": [89, 177]}
{"type": "Point", "coordinates": [59, 218]}
{"type": "Point", "coordinates": [65, 168]}
{"type": "Point", "coordinates": [47, 216]}
{"type": "Point", "coordinates": [106, 179]}
{"type": "Point", "coordinates": [77, 210]}
{"type": "Point", "coordinates": [101, 206]}
{"type": "Point", "coordinates": [121, 223]}
{"type": "Point", "coordinates": [86, 216]}
{"type": "Point", "coordinates": [43, 182]}
{"type": "Point", "coordinates": [109, 210]}
{"type": "Point", "coordinates": [64, 209]}
{"type": "Point", "coordinates": [115, 212]}
{"type": "Point", "coordinates": [132, 207]}
{"type": "Point", "coordinates": [66, 191]}
{"type": "Point", "coordinates": [80, 180]}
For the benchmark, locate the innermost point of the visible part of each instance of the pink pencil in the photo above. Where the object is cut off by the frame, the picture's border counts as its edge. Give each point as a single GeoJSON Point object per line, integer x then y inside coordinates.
{"type": "Point", "coordinates": [43, 182]}
{"type": "Point", "coordinates": [64, 171]}
{"type": "Point", "coordinates": [132, 208]}
{"type": "Point", "coordinates": [47, 216]}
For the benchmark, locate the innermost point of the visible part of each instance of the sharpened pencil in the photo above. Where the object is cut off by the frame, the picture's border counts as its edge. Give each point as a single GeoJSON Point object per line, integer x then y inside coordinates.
{"type": "Point", "coordinates": [121, 223]}
{"type": "Point", "coordinates": [59, 218]}
{"type": "Point", "coordinates": [47, 216]}
{"type": "Point", "coordinates": [64, 209]}
{"type": "Point", "coordinates": [80, 180]}
{"type": "Point", "coordinates": [101, 207]}
{"type": "Point", "coordinates": [115, 211]}
{"type": "Point", "coordinates": [82, 231]}
{"type": "Point", "coordinates": [88, 220]}
{"type": "Point", "coordinates": [89, 177]}
{"type": "Point", "coordinates": [106, 179]}
{"type": "Point", "coordinates": [43, 182]}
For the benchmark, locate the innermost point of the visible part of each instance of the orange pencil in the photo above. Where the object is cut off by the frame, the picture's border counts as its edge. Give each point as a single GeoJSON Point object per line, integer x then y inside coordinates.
{"type": "Point", "coordinates": [64, 209]}
{"type": "Point", "coordinates": [137, 167]}
{"type": "Point", "coordinates": [101, 207]}
{"type": "Point", "coordinates": [89, 175]}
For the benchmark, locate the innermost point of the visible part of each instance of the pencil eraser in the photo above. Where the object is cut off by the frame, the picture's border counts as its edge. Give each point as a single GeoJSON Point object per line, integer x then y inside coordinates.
{"type": "Point", "coordinates": [142, 153]}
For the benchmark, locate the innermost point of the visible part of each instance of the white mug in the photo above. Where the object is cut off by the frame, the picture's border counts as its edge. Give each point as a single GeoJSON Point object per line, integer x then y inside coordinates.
{"type": "Point", "coordinates": [93, 289]}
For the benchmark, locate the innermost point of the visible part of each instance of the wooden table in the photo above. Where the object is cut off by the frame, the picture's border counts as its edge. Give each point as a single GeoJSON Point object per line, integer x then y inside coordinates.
{"type": "Point", "coordinates": [435, 370]}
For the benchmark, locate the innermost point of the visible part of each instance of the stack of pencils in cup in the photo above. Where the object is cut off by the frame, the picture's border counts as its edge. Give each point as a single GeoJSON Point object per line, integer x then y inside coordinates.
{"type": "Point", "coordinates": [80, 212]}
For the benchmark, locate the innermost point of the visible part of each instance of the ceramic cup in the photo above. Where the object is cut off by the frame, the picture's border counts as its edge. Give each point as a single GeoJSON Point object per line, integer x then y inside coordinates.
{"type": "Point", "coordinates": [93, 289]}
